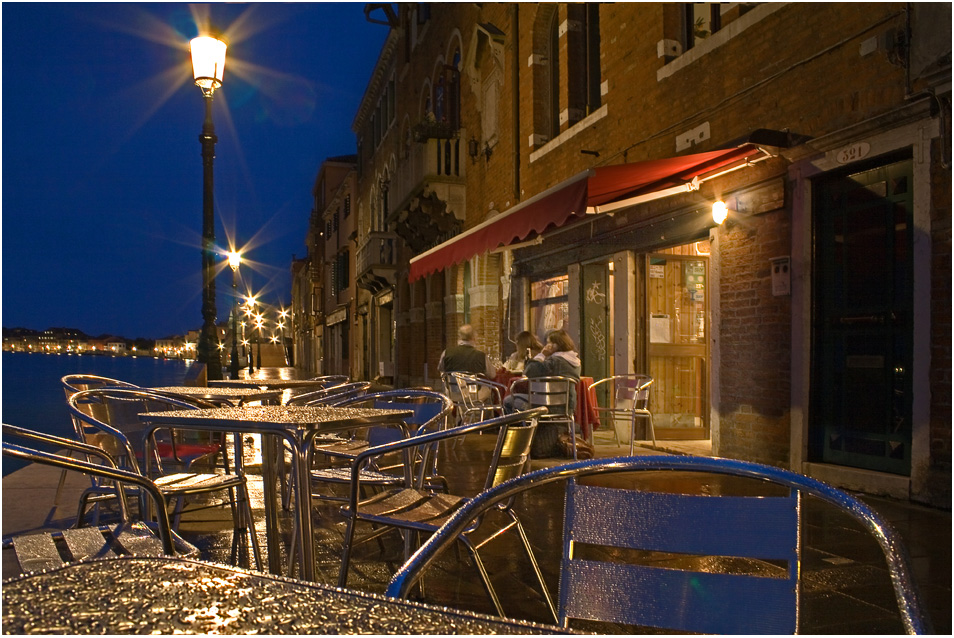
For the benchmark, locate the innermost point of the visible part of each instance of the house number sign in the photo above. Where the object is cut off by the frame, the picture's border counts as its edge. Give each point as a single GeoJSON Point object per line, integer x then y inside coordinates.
{"type": "Point", "coordinates": [853, 153]}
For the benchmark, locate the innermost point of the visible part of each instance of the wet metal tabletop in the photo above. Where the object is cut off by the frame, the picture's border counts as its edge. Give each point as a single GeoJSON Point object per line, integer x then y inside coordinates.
{"type": "Point", "coordinates": [281, 417]}
{"type": "Point", "coordinates": [162, 595]}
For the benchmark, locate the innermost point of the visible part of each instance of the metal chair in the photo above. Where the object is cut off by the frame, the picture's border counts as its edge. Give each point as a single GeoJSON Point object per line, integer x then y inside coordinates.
{"type": "Point", "coordinates": [687, 588]}
{"type": "Point", "coordinates": [627, 399]}
{"type": "Point", "coordinates": [50, 549]}
{"type": "Point", "coordinates": [123, 407]}
{"type": "Point", "coordinates": [331, 394]}
{"type": "Point", "coordinates": [553, 393]}
{"type": "Point", "coordinates": [477, 398]}
{"type": "Point", "coordinates": [431, 411]}
{"type": "Point", "coordinates": [172, 449]}
{"type": "Point", "coordinates": [415, 509]}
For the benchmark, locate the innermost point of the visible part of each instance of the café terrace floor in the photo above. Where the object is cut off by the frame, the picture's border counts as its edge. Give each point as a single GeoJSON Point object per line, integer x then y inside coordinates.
{"type": "Point", "coordinates": [845, 590]}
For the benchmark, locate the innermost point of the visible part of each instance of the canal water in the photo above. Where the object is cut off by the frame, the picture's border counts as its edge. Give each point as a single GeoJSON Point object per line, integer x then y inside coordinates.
{"type": "Point", "coordinates": [33, 396]}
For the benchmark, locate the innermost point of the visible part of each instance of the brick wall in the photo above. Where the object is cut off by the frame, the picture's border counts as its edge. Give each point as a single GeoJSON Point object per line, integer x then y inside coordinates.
{"type": "Point", "coordinates": [941, 323]}
{"type": "Point", "coordinates": [755, 333]}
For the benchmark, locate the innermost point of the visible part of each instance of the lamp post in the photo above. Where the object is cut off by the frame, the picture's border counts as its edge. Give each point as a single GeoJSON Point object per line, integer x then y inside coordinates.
{"type": "Point", "coordinates": [250, 313]}
{"type": "Point", "coordinates": [234, 260]}
{"type": "Point", "coordinates": [208, 65]}
{"type": "Point", "coordinates": [259, 322]}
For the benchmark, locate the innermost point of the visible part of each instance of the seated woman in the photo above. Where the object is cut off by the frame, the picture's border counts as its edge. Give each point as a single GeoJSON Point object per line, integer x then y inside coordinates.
{"type": "Point", "coordinates": [557, 358]}
{"type": "Point", "coordinates": [528, 346]}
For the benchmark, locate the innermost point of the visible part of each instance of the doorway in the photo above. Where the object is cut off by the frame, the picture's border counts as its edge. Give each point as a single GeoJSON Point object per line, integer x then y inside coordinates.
{"type": "Point", "coordinates": [676, 282]}
{"type": "Point", "coordinates": [862, 323]}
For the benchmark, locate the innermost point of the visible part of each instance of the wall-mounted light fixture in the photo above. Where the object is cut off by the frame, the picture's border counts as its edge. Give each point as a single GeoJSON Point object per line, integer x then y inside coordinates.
{"type": "Point", "coordinates": [473, 148]}
{"type": "Point", "coordinates": [719, 212]}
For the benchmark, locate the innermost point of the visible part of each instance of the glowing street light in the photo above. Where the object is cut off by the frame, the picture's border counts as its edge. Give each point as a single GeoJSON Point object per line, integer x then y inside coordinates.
{"type": "Point", "coordinates": [208, 66]}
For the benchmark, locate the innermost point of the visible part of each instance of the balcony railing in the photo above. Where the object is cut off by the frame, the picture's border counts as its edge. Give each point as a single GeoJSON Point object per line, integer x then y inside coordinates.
{"type": "Point", "coordinates": [434, 160]}
{"type": "Point", "coordinates": [376, 260]}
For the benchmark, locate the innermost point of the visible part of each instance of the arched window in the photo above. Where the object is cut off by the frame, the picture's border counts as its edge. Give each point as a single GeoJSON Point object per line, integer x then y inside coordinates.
{"type": "Point", "coordinates": [384, 209]}
{"type": "Point", "coordinates": [583, 61]}
{"type": "Point", "coordinates": [553, 69]}
{"type": "Point", "coordinates": [447, 93]}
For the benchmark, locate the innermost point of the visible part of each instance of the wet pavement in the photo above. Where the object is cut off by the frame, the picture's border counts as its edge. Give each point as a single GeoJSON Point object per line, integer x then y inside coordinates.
{"type": "Point", "coordinates": [845, 584]}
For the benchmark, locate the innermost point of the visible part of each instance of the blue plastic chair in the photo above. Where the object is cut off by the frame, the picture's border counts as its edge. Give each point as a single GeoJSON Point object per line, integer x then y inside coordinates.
{"type": "Point", "coordinates": [759, 528]}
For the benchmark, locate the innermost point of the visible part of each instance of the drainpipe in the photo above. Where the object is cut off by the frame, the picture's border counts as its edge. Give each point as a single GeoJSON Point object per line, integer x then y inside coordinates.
{"type": "Point", "coordinates": [515, 81]}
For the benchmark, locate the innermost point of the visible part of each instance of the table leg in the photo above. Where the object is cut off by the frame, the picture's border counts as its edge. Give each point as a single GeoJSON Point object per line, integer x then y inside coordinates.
{"type": "Point", "coordinates": [273, 538]}
{"type": "Point", "coordinates": [303, 510]}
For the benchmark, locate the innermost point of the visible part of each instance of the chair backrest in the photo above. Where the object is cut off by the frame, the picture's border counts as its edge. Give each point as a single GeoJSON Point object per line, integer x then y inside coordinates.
{"type": "Point", "coordinates": [476, 393]}
{"type": "Point", "coordinates": [645, 519]}
{"type": "Point", "coordinates": [114, 412]}
{"type": "Point", "coordinates": [552, 392]}
{"type": "Point", "coordinates": [332, 394]}
{"type": "Point", "coordinates": [512, 452]}
{"type": "Point", "coordinates": [73, 383]}
{"type": "Point", "coordinates": [684, 593]}
{"type": "Point", "coordinates": [633, 389]}
{"type": "Point", "coordinates": [328, 380]}
{"type": "Point", "coordinates": [430, 408]}
{"type": "Point", "coordinates": [622, 392]}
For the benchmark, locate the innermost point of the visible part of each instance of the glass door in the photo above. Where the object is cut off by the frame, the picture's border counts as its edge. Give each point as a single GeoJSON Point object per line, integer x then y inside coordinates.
{"type": "Point", "coordinates": [676, 294]}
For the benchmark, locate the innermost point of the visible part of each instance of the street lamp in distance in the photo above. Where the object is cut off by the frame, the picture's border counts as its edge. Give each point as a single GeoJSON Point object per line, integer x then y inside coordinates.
{"type": "Point", "coordinates": [235, 259]}
{"type": "Point", "coordinates": [208, 66]}
{"type": "Point", "coordinates": [250, 312]}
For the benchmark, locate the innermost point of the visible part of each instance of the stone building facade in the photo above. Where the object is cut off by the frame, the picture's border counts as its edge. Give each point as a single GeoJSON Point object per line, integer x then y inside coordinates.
{"type": "Point", "coordinates": [535, 166]}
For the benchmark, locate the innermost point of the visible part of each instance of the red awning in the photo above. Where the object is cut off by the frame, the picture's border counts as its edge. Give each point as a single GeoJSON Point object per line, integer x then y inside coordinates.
{"type": "Point", "coordinates": [600, 188]}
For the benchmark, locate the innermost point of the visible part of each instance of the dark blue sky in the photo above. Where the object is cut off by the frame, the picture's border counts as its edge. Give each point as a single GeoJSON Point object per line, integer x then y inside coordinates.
{"type": "Point", "coordinates": [102, 172]}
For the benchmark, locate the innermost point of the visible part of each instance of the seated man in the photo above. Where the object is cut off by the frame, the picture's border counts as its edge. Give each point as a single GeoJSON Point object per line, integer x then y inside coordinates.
{"type": "Point", "coordinates": [465, 357]}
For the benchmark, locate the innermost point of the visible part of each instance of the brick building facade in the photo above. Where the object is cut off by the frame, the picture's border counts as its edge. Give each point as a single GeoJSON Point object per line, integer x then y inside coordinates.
{"type": "Point", "coordinates": [810, 330]}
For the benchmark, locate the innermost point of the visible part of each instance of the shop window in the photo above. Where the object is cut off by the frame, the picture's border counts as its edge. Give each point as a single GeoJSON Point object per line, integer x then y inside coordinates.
{"type": "Point", "coordinates": [549, 305]}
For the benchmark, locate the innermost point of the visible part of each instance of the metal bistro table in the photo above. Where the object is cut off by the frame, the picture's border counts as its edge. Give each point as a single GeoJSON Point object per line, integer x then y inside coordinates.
{"type": "Point", "coordinates": [298, 425]}
{"type": "Point", "coordinates": [164, 595]}
{"type": "Point", "coordinates": [284, 386]}
{"type": "Point", "coordinates": [280, 384]}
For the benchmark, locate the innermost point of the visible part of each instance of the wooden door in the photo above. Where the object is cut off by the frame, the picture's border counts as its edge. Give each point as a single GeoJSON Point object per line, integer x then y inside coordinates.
{"type": "Point", "coordinates": [677, 300]}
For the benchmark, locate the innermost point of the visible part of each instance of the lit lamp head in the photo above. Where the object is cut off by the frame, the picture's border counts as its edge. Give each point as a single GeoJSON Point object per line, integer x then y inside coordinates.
{"type": "Point", "coordinates": [719, 212]}
{"type": "Point", "coordinates": [208, 63]}
{"type": "Point", "coordinates": [234, 260]}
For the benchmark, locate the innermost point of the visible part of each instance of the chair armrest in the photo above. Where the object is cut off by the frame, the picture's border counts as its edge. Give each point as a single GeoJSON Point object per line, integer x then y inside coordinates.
{"type": "Point", "coordinates": [63, 443]}
{"type": "Point", "coordinates": [103, 471]}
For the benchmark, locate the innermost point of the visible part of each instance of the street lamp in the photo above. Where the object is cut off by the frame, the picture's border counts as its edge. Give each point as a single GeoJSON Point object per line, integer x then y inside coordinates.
{"type": "Point", "coordinates": [208, 65]}
{"type": "Point", "coordinates": [234, 260]}
{"type": "Point", "coordinates": [250, 313]}
{"type": "Point", "coordinates": [259, 322]}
